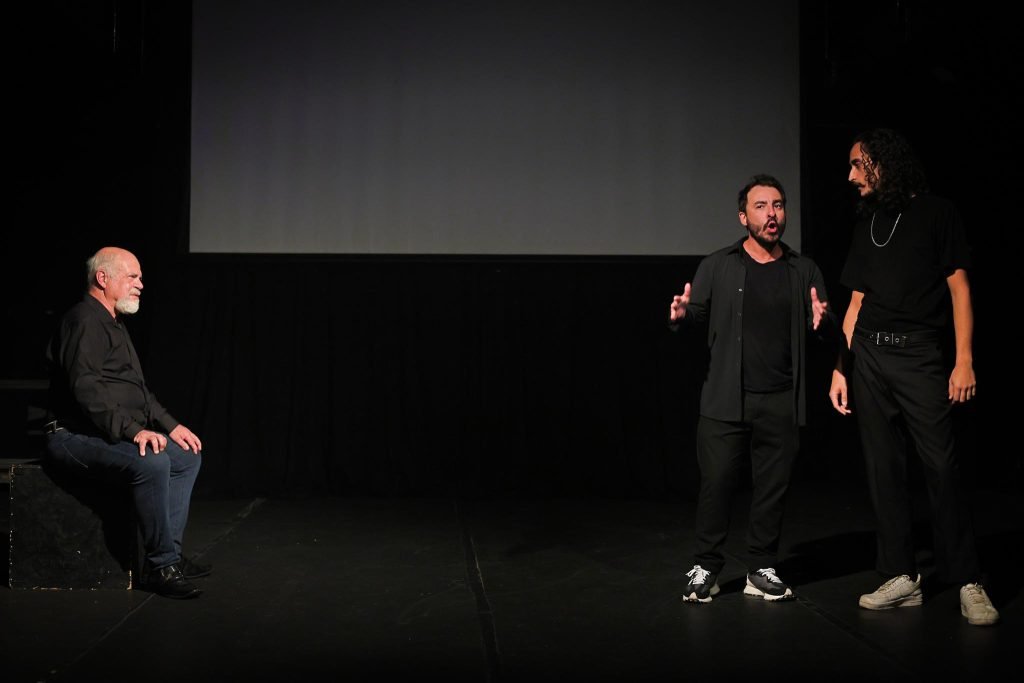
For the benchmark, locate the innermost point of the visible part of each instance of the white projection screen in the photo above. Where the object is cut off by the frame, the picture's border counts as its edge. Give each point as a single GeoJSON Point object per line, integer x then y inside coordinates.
{"type": "Point", "coordinates": [487, 128]}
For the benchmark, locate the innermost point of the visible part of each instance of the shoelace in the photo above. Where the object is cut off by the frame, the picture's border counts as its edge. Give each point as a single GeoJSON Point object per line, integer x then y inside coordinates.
{"type": "Point", "coordinates": [769, 574]}
{"type": "Point", "coordinates": [976, 594]}
{"type": "Point", "coordinates": [698, 574]}
{"type": "Point", "coordinates": [891, 583]}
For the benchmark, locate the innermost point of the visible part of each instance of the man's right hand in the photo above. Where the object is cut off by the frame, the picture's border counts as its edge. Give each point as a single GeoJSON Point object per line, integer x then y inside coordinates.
{"type": "Point", "coordinates": [154, 440]}
{"type": "Point", "coordinates": [677, 311]}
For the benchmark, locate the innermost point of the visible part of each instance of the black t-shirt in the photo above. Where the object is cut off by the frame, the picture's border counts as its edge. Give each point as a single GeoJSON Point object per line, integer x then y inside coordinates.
{"type": "Point", "coordinates": [767, 348]}
{"type": "Point", "coordinates": [901, 267]}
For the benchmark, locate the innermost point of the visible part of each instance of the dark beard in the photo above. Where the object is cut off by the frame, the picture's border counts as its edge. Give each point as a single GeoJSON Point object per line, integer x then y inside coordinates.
{"type": "Point", "coordinates": [868, 204]}
{"type": "Point", "coordinates": [768, 244]}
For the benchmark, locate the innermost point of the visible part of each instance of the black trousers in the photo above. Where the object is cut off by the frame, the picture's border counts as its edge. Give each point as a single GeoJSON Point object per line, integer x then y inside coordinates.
{"type": "Point", "coordinates": [769, 436]}
{"type": "Point", "coordinates": [900, 392]}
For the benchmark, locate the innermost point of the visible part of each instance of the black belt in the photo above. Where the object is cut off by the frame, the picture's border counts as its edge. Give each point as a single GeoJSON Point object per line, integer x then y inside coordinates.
{"type": "Point", "coordinates": [899, 339]}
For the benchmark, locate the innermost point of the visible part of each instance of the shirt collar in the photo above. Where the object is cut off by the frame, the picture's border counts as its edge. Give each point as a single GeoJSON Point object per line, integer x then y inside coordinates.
{"type": "Point", "coordinates": [788, 254]}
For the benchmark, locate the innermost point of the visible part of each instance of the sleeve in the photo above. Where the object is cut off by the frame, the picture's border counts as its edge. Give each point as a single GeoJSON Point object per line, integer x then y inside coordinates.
{"type": "Point", "coordinates": [953, 249]}
{"type": "Point", "coordinates": [700, 293]}
{"type": "Point", "coordinates": [160, 415]}
{"type": "Point", "coordinates": [700, 299]}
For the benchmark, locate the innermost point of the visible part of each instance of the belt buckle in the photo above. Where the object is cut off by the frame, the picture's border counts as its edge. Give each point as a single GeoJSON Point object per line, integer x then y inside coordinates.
{"type": "Point", "coordinates": [890, 339]}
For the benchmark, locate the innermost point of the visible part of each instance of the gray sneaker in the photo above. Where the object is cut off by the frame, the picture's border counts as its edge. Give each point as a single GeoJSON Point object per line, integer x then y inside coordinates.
{"type": "Point", "coordinates": [764, 583]}
{"type": "Point", "coordinates": [899, 591]}
{"type": "Point", "coordinates": [975, 605]}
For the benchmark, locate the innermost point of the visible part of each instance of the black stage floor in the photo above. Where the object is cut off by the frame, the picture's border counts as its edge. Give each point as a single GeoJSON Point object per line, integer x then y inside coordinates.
{"type": "Point", "coordinates": [516, 590]}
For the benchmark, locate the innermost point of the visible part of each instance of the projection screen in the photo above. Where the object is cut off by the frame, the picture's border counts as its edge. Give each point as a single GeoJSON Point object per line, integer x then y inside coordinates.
{"type": "Point", "coordinates": [487, 128]}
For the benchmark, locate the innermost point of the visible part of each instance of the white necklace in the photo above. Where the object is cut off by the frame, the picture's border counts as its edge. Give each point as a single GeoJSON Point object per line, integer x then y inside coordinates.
{"type": "Point", "coordinates": [890, 234]}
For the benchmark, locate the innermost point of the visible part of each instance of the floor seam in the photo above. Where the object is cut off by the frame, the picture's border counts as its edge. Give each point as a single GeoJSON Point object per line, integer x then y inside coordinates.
{"type": "Point", "coordinates": [485, 615]}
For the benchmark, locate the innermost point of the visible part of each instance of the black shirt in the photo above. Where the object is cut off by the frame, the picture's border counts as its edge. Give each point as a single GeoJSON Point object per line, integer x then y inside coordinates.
{"type": "Point", "coordinates": [96, 381]}
{"type": "Point", "coordinates": [716, 300]}
{"type": "Point", "coordinates": [904, 281]}
{"type": "Point", "coordinates": [767, 354]}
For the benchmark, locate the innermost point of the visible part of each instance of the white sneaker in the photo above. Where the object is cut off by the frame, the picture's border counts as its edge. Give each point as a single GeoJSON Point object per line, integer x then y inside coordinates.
{"type": "Point", "coordinates": [975, 605]}
{"type": "Point", "coordinates": [899, 591]}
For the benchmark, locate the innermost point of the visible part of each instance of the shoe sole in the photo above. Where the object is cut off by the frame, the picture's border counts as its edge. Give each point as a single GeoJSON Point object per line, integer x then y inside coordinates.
{"type": "Point", "coordinates": [692, 597]}
{"type": "Point", "coordinates": [985, 621]}
{"type": "Point", "coordinates": [913, 600]}
{"type": "Point", "coordinates": [755, 592]}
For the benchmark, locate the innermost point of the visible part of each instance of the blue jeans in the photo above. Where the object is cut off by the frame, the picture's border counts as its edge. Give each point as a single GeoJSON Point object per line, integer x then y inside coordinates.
{"type": "Point", "coordinates": [161, 484]}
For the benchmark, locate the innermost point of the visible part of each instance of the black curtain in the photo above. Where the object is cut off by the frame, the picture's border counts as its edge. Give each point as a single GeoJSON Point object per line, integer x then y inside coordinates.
{"type": "Point", "coordinates": [471, 377]}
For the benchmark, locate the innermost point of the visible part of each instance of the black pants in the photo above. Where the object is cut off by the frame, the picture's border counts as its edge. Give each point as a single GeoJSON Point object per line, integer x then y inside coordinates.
{"type": "Point", "coordinates": [898, 392]}
{"type": "Point", "coordinates": [769, 436]}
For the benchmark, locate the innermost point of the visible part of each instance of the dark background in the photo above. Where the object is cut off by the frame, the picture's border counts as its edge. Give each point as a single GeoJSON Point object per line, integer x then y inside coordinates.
{"type": "Point", "coordinates": [408, 376]}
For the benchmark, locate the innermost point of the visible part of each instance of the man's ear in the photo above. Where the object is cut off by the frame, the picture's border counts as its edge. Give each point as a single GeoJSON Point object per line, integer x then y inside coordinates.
{"type": "Point", "coordinates": [100, 280]}
{"type": "Point", "coordinates": [743, 218]}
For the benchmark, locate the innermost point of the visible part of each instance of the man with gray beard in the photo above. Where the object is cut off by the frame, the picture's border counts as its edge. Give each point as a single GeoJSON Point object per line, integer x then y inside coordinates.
{"type": "Point", "coordinates": [105, 422]}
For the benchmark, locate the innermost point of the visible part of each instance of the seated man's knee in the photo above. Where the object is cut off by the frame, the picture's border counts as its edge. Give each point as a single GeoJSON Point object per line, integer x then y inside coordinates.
{"type": "Point", "coordinates": [182, 460]}
{"type": "Point", "coordinates": [152, 465]}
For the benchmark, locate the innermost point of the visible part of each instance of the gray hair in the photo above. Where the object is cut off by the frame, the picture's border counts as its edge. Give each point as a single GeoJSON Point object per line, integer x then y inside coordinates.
{"type": "Point", "coordinates": [106, 260]}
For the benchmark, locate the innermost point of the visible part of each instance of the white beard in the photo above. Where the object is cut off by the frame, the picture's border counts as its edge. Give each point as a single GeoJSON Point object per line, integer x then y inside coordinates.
{"type": "Point", "coordinates": [127, 306]}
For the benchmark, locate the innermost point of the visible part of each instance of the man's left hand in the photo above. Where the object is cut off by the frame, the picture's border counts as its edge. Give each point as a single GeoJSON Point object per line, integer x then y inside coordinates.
{"type": "Point", "coordinates": [962, 384]}
{"type": "Point", "coordinates": [818, 309]}
{"type": "Point", "coordinates": [184, 437]}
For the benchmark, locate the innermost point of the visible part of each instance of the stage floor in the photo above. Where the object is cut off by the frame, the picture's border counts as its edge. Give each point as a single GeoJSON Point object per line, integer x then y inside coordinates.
{"type": "Point", "coordinates": [516, 590]}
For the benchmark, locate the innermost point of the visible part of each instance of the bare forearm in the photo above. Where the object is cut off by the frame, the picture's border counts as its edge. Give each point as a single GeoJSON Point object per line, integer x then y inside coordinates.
{"type": "Point", "coordinates": [963, 317]}
{"type": "Point", "coordinates": [849, 322]}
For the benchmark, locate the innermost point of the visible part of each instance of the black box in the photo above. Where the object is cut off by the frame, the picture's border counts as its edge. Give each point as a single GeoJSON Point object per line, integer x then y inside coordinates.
{"type": "Point", "coordinates": [68, 533]}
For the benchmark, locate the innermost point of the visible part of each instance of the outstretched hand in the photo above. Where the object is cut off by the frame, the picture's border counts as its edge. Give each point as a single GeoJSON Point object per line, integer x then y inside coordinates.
{"type": "Point", "coordinates": [818, 309]}
{"type": "Point", "coordinates": [677, 310]}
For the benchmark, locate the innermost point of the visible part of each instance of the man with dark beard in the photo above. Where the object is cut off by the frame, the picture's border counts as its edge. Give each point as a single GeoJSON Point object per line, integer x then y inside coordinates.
{"type": "Point", "coordinates": [106, 423]}
{"type": "Point", "coordinates": [759, 298]}
{"type": "Point", "coordinates": [907, 263]}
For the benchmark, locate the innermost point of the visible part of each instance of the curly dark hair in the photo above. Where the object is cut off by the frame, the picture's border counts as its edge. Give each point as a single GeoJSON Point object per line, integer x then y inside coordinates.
{"type": "Point", "coordinates": [760, 180]}
{"type": "Point", "coordinates": [901, 175]}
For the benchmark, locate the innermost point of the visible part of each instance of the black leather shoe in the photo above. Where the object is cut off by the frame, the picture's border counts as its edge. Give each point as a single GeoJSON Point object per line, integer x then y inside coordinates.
{"type": "Point", "coordinates": [191, 569]}
{"type": "Point", "coordinates": [170, 583]}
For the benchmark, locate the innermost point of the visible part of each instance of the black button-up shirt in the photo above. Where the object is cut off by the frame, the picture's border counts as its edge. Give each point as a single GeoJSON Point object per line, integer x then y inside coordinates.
{"type": "Point", "coordinates": [716, 299]}
{"type": "Point", "coordinates": [96, 381]}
